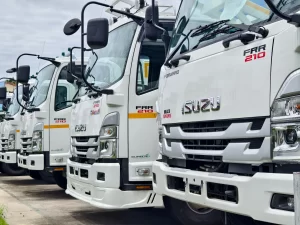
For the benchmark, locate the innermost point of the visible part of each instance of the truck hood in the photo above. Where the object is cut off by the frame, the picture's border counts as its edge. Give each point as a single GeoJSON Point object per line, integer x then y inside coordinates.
{"type": "Point", "coordinates": [87, 117]}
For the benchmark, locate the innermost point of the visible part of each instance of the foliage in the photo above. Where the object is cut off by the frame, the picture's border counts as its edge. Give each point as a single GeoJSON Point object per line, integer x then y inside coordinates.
{"type": "Point", "coordinates": [2, 216]}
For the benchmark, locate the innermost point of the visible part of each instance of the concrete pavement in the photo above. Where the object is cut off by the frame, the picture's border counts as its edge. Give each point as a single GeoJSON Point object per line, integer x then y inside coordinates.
{"type": "Point", "coordinates": [32, 202]}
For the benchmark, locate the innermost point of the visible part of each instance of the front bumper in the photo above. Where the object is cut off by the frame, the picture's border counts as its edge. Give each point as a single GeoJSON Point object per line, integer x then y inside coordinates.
{"type": "Point", "coordinates": [9, 156]}
{"type": "Point", "coordinates": [83, 184]}
{"type": "Point", "coordinates": [254, 193]}
{"type": "Point", "coordinates": [31, 161]}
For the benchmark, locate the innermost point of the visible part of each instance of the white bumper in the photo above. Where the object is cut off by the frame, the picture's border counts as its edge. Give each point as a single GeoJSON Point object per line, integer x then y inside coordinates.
{"type": "Point", "coordinates": [31, 162]}
{"type": "Point", "coordinates": [9, 157]}
{"type": "Point", "coordinates": [106, 194]}
{"type": "Point", "coordinates": [254, 193]}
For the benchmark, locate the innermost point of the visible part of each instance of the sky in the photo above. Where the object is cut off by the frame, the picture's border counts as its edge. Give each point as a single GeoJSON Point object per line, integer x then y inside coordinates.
{"type": "Point", "coordinates": [36, 26]}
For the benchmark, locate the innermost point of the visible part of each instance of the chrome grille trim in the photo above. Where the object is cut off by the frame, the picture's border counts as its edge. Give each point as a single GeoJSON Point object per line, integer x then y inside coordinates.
{"type": "Point", "coordinates": [237, 143]}
{"type": "Point", "coordinates": [26, 144]}
{"type": "Point", "coordinates": [86, 147]}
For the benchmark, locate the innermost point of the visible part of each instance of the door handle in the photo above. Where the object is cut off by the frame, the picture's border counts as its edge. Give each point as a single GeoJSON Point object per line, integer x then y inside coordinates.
{"type": "Point", "coordinates": [244, 38]}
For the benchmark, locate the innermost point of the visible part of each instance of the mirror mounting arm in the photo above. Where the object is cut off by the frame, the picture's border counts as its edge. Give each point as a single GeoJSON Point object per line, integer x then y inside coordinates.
{"type": "Point", "coordinates": [17, 66]}
{"type": "Point", "coordinates": [293, 19]}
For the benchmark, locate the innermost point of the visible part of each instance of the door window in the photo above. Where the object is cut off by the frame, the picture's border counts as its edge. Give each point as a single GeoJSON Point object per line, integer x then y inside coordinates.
{"type": "Point", "coordinates": [65, 91]}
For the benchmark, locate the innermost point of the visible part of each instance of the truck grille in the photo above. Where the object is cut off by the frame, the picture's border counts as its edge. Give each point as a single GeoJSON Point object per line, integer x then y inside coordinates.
{"type": "Point", "coordinates": [26, 144]}
{"type": "Point", "coordinates": [216, 126]}
{"type": "Point", "coordinates": [255, 143]}
{"type": "Point", "coordinates": [85, 147]}
{"type": "Point", "coordinates": [214, 141]}
{"type": "Point", "coordinates": [4, 144]}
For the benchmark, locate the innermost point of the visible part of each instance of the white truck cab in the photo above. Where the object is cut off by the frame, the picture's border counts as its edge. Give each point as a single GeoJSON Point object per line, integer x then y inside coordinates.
{"type": "Point", "coordinates": [229, 112]}
{"type": "Point", "coordinates": [45, 131]}
{"type": "Point", "coordinates": [10, 133]}
{"type": "Point", "coordinates": [114, 135]}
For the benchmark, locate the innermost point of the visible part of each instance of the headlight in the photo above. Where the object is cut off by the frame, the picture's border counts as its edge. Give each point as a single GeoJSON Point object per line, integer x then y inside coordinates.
{"type": "Point", "coordinates": [11, 141]}
{"type": "Point", "coordinates": [37, 141]}
{"type": "Point", "coordinates": [109, 142]}
{"type": "Point", "coordinates": [285, 119]}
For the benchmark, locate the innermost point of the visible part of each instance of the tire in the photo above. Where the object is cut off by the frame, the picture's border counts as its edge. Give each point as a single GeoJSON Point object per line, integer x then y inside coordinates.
{"type": "Point", "coordinates": [60, 179]}
{"type": "Point", "coordinates": [184, 213]}
{"type": "Point", "coordinates": [13, 169]}
{"type": "Point", "coordinates": [1, 171]}
{"type": "Point", "coordinates": [34, 174]}
{"type": "Point", "coordinates": [47, 177]}
{"type": "Point", "coordinates": [233, 219]}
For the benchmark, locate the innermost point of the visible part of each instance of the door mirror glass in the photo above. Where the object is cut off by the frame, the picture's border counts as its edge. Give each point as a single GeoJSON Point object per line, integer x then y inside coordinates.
{"type": "Point", "coordinates": [97, 33]}
{"type": "Point", "coordinates": [23, 74]}
{"type": "Point", "coordinates": [151, 32]}
{"type": "Point", "coordinates": [3, 92]}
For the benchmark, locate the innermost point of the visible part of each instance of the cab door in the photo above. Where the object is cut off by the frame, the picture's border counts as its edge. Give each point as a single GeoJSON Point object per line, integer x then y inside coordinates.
{"type": "Point", "coordinates": [60, 111]}
{"type": "Point", "coordinates": [143, 93]}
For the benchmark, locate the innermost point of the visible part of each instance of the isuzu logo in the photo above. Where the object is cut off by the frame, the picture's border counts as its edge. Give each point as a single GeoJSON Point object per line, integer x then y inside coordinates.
{"type": "Point", "coordinates": [202, 105]}
{"type": "Point", "coordinates": [80, 128]}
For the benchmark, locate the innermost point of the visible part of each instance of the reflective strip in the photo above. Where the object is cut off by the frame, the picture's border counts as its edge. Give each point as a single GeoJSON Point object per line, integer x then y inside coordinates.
{"type": "Point", "coordinates": [142, 115]}
{"type": "Point", "coordinates": [56, 126]}
{"type": "Point", "coordinates": [258, 7]}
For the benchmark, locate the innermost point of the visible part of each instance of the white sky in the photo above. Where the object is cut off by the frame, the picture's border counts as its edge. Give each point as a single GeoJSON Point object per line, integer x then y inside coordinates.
{"type": "Point", "coordinates": [36, 26]}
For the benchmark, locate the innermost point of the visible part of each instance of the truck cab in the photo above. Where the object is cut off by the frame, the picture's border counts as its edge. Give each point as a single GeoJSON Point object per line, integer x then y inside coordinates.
{"type": "Point", "coordinates": [114, 131]}
{"type": "Point", "coordinates": [228, 113]}
{"type": "Point", "coordinates": [46, 122]}
{"type": "Point", "coordinates": [10, 133]}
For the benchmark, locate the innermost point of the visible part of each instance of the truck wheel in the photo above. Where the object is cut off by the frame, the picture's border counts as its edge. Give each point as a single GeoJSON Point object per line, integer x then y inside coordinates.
{"type": "Point", "coordinates": [1, 171]}
{"type": "Point", "coordinates": [35, 174]}
{"type": "Point", "coordinates": [13, 169]}
{"type": "Point", "coordinates": [47, 177]}
{"type": "Point", "coordinates": [233, 219]}
{"type": "Point", "coordinates": [60, 179]}
{"type": "Point", "coordinates": [190, 214]}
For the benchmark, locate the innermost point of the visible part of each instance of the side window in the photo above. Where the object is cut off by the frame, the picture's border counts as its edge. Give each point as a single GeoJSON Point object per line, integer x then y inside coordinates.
{"type": "Point", "coordinates": [150, 62]}
{"type": "Point", "coordinates": [65, 91]}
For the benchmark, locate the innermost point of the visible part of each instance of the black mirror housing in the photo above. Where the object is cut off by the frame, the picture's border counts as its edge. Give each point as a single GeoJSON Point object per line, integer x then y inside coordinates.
{"type": "Point", "coordinates": [70, 76]}
{"type": "Point", "coordinates": [23, 74]}
{"type": "Point", "coordinates": [97, 33]}
{"type": "Point", "coordinates": [72, 26]}
{"type": "Point", "coordinates": [3, 92]}
{"type": "Point", "coordinates": [25, 96]}
{"type": "Point", "coordinates": [151, 32]}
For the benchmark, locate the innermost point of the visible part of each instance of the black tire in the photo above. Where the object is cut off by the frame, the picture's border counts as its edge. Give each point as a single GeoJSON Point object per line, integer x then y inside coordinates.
{"type": "Point", "coordinates": [34, 174]}
{"type": "Point", "coordinates": [233, 219]}
{"type": "Point", "coordinates": [60, 179]}
{"type": "Point", "coordinates": [13, 169]}
{"type": "Point", "coordinates": [47, 177]}
{"type": "Point", "coordinates": [182, 212]}
{"type": "Point", "coordinates": [1, 171]}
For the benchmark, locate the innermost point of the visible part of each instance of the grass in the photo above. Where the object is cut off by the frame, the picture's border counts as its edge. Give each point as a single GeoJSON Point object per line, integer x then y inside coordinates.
{"type": "Point", "coordinates": [2, 216]}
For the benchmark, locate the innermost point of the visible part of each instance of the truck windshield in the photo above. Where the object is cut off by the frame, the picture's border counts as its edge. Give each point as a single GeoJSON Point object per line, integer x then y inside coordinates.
{"type": "Point", "coordinates": [196, 13]}
{"type": "Point", "coordinates": [40, 90]}
{"type": "Point", "coordinates": [14, 107]}
{"type": "Point", "coordinates": [106, 66]}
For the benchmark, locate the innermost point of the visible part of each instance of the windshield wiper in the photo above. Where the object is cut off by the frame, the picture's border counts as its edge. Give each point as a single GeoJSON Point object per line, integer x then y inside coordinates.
{"type": "Point", "coordinates": [213, 34]}
{"type": "Point", "coordinates": [197, 31]}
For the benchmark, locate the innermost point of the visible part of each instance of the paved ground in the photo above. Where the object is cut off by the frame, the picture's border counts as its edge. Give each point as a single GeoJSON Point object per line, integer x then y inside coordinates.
{"type": "Point", "coordinates": [31, 202]}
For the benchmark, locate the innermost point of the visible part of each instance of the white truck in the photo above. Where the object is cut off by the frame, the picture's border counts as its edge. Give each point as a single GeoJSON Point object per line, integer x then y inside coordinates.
{"type": "Point", "coordinates": [10, 131]}
{"type": "Point", "coordinates": [113, 125]}
{"type": "Point", "coordinates": [45, 131]}
{"type": "Point", "coordinates": [229, 113]}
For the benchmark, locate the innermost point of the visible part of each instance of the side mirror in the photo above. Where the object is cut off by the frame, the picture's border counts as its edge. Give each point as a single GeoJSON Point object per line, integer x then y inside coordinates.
{"type": "Point", "coordinates": [23, 74]}
{"type": "Point", "coordinates": [72, 26]}
{"type": "Point", "coordinates": [25, 96]}
{"type": "Point", "coordinates": [97, 33]}
{"type": "Point", "coordinates": [6, 103]}
{"type": "Point", "coordinates": [151, 32]}
{"type": "Point", "coordinates": [3, 92]}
